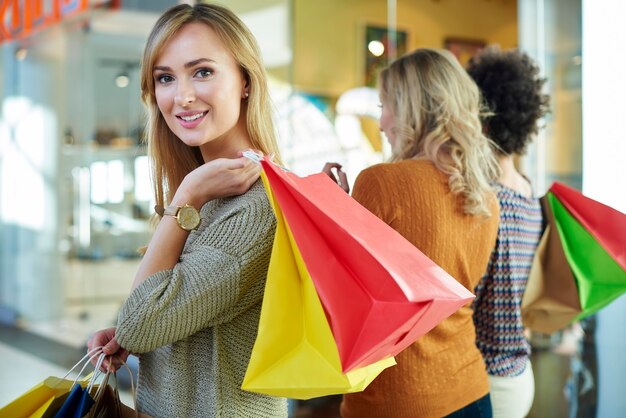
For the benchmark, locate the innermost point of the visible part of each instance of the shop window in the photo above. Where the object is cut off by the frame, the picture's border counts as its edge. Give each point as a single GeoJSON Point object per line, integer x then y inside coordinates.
{"type": "Point", "coordinates": [143, 188]}
{"type": "Point", "coordinates": [107, 181]}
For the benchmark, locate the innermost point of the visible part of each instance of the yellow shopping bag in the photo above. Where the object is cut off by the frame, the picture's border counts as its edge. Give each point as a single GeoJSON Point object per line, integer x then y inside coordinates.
{"type": "Point", "coordinates": [295, 354]}
{"type": "Point", "coordinates": [46, 396]}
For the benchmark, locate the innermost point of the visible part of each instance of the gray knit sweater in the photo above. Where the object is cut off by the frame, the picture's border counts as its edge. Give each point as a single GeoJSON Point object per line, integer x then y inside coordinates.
{"type": "Point", "coordinates": [194, 326]}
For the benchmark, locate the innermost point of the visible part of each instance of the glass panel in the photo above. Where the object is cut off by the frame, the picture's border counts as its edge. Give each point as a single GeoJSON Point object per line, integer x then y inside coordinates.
{"type": "Point", "coordinates": [550, 31]}
{"type": "Point", "coordinates": [75, 190]}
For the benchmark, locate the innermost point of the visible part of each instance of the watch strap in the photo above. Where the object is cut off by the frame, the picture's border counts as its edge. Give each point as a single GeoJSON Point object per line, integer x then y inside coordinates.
{"type": "Point", "coordinates": [171, 210]}
{"type": "Point", "coordinates": [188, 219]}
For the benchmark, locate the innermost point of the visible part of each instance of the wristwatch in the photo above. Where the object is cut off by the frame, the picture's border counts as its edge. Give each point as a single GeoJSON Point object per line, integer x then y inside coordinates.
{"type": "Point", "coordinates": [187, 216]}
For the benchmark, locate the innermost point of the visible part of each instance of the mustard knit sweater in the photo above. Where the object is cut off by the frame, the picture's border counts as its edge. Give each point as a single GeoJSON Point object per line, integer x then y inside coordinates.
{"type": "Point", "coordinates": [194, 326]}
{"type": "Point", "coordinates": [443, 371]}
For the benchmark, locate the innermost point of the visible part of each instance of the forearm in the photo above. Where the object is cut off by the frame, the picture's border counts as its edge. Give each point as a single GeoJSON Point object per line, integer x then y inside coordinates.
{"type": "Point", "coordinates": [220, 274]}
{"type": "Point", "coordinates": [164, 249]}
{"type": "Point", "coordinates": [169, 238]}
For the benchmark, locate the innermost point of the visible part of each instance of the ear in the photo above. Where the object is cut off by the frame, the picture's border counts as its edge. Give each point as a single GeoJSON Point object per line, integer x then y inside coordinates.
{"type": "Point", "coordinates": [246, 87]}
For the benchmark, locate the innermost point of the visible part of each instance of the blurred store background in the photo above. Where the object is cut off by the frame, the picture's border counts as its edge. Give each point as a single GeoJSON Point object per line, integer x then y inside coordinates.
{"type": "Point", "coordinates": [75, 194]}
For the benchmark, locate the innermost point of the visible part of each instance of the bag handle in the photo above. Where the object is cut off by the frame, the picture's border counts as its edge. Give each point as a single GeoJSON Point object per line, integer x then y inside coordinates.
{"type": "Point", "coordinates": [97, 372]}
{"type": "Point", "coordinates": [257, 158]}
{"type": "Point", "coordinates": [87, 359]}
{"type": "Point", "coordinates": [132, 387]}
{"type": "Point", "coordinates": [105, 381]}
{"type": "Point", "coordinates": [91, 354]}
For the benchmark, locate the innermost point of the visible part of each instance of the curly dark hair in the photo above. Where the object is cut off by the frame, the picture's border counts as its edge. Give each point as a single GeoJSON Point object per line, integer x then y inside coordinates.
{"type": "Point", "coordinates": [511, 87]}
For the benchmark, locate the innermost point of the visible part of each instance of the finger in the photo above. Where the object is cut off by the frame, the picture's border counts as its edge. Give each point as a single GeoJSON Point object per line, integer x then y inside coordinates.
{"type": "Point", "coordinates": [343, 180]}
{"type": "Point", "coordinates": [111, 347]}
{"type": "Point", "coordinates": [233, 163]}
{"type": "Point", "coordinates": [256, 169]}
{"type": "Point", "coordinates": [226, 164]}
{"type": "Point", "coordinates": [96, 341]}
{"type": "Point", "coordinates": [114, 363]}
{"type": "Point", "coordinates": [330, 165]}
{"type": "Point", "coordinates": [244, 162]}
{"type": "Point", "coordinates": [251, 169]}
{"type": "Point", "coordinates": [106, 365]}
{"type": "Point", "coordinates": [252, 179]}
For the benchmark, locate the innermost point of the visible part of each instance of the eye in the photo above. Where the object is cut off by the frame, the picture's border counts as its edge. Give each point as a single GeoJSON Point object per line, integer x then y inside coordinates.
{"type": "Point", "coordinates": [204, 73]}
{"type": "Point", "coordinates": [164, 78]}
{"type": "Point", "coordinates": [380, 105]}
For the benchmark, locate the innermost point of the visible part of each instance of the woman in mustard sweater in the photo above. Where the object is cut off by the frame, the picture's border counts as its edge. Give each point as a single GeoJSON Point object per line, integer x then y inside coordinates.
{"type": "Point", "coordinates": [436, 193]}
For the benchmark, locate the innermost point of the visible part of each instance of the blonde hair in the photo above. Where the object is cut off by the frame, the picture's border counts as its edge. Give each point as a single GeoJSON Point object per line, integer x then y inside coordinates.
{"type": "Point", "coordinates": [436, 107]}
{"type": "Point", "coordinates": [171, 159]}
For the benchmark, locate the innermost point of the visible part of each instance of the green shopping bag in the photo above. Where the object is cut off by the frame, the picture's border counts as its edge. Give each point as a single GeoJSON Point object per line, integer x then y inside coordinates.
{"type": "Point", "coordinates": [599, 278]}
{"type": "Point", "coordinates": [580, 263]}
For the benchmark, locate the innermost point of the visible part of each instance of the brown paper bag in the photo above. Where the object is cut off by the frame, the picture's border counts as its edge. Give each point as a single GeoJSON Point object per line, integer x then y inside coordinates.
{"type": "Point", "coordinates": [551, 300]}
{"type": "Point", "coordinates": [128, 412]}
{"type": "Point", "coordinates": [110, 406]}
{"type": "Point", "coordinates": [108, 403]}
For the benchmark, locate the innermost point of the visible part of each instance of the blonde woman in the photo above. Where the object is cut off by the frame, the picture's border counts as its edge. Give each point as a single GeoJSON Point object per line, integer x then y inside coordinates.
{"type": "Point", "coordinates": [436, 193]}
{"type": "Point", "coordinates": [193, 312]}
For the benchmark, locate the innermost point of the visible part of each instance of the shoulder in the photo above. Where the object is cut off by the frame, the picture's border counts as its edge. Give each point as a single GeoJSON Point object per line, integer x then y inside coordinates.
{"type": "Point", "coordinates": [399, 166]}
{"type": "Point", "coordinates": [402, 168]}
{"type": "Point", "coordinates": [252, 202]}
{"type": "Point", "coordinates": [415, 173]}
{"type": "Point", "coordinates": [255, 196]}
{"type": "Point", "coordinates": [238, 221]}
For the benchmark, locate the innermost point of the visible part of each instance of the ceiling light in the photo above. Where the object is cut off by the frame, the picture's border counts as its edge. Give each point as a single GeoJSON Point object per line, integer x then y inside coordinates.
{"type": "Point", "coordinates": [376, 48]}
{"type": "Point", "coordinates": [21, 53]}
{"type": "Point", "coordinates": [122, 80]}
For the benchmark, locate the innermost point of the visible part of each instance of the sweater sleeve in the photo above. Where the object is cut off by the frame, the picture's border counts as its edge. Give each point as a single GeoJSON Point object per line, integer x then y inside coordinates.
{"type": "Point", "coordinates": [211, 284]}
{"type": "Point", "coordinates": [369, 191]}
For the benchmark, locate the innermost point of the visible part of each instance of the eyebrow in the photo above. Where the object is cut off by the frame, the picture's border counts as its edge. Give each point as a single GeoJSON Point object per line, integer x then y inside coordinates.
{"type": "Point", "coordinates": [189, 64]}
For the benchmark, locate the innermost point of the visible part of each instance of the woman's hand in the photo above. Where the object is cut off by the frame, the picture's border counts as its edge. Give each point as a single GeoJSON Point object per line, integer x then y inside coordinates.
{"type": "Point", "coordinates": [222, 177]}
{"type": "Point", "coordinates": [106, 339]}
{"type": "Point", "coordinates": [340, 177]}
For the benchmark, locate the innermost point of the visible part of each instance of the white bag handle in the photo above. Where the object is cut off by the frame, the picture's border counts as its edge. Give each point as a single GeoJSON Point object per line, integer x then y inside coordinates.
{"type": "Point", "coordinates": [91, 354]}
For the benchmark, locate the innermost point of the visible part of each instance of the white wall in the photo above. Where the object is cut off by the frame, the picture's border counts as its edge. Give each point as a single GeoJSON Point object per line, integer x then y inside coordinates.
{"type": "Point", "coordinates": [604, 171]}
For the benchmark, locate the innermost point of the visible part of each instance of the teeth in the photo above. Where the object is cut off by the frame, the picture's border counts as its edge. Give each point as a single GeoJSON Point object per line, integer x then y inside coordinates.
{"type": "Point", "coordinates": [190, 118]}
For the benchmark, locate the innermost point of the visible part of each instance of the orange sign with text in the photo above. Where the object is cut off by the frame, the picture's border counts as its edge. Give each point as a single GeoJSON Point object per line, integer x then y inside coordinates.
{"type": "Point", "coordinates": [20, 18]}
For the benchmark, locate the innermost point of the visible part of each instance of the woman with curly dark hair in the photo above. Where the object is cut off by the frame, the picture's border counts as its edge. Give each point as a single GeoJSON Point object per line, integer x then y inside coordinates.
{"type": "Point", "coordinates": [512, 90]}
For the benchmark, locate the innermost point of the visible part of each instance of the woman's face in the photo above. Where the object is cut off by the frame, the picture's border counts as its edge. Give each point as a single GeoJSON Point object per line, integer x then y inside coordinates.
{"type": "Point", "coordinates": [388, 123]}
{"type": "Point", "coordinates": [199, 88]}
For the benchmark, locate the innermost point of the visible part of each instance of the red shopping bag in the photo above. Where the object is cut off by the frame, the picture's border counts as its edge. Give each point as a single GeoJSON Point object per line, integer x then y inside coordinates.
{"type": "Point", "coordinates": [379, 292]}
{"type": "Point", "coordinates": [605, 224]}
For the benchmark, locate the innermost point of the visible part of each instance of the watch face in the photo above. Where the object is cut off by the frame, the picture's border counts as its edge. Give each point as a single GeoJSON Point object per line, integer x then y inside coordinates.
{"type": "Point", "coordinates": [188, 218]}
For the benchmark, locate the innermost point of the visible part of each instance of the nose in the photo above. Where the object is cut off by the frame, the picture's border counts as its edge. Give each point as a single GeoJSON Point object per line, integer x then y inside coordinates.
{"type": "Point", "coordinates": [185, 94]}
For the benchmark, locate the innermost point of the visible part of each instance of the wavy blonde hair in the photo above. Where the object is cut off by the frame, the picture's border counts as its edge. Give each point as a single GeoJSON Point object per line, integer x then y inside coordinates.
{"type": "Point", "coordinates": [436, 108]}
{"type": "Point", "coordinates": [171, 159]}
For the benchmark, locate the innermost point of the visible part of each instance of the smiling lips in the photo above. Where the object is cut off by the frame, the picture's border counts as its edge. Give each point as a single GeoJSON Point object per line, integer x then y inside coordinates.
{"type": "Point", "coordinates": [190, 119]}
